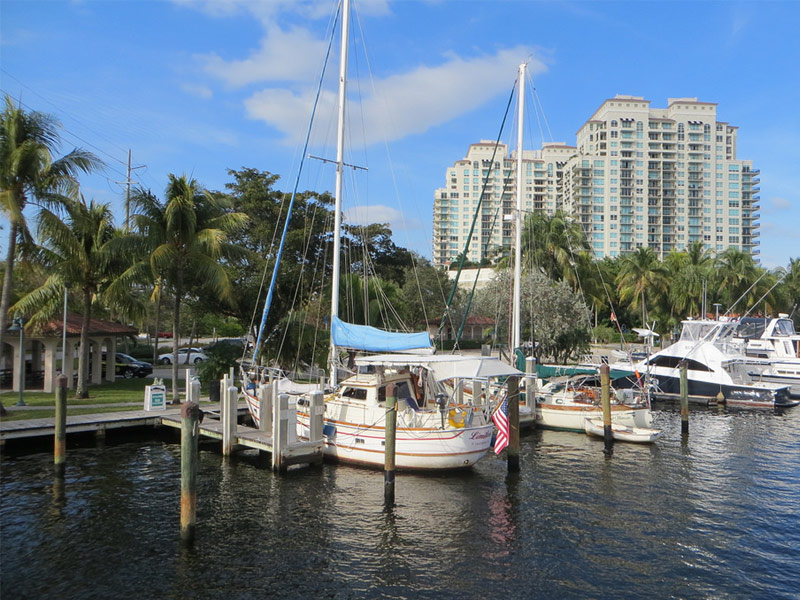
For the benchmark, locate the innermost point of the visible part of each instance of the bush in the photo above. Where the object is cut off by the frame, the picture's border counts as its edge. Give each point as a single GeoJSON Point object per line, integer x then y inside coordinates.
{"type": "Point", "coordinates": [221, 357]}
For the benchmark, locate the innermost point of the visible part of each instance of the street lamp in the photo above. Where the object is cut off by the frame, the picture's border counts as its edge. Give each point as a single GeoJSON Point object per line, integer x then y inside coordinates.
{"type": "Point", "coordinates": [19, 324]}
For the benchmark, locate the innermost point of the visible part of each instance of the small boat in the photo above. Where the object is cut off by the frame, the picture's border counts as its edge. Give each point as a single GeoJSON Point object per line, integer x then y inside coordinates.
{"type": "Point", "coordinates": [566, 404]}
{"type": "Point", "coordinates": [622, 433]}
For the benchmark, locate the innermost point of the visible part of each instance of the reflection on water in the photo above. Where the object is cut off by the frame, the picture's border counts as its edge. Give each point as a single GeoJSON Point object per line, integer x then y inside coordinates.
{"type": "Point", "coordinates": [711, 516]}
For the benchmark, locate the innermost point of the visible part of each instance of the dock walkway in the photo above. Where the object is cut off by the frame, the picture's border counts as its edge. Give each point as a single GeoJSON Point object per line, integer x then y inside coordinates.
{"type": "Point", "coordinates": [293, 452]}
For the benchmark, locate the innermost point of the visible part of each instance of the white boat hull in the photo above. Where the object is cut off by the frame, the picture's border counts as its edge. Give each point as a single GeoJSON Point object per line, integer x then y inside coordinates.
{"type": "Point", "coordinates": [415, 448]}
{"type": "Point", "coordinates": [622, 433]}
{"type": "Point", "coordinates": [571, 417]}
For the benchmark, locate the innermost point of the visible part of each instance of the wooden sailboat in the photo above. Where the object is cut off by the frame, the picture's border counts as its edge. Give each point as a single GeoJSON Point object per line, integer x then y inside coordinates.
{"type": "Point", "coordinates": [438, 427]}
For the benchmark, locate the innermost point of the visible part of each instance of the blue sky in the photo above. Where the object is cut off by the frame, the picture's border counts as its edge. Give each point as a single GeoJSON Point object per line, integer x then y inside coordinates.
{"type": "Point", "coordinates": [200, 87]}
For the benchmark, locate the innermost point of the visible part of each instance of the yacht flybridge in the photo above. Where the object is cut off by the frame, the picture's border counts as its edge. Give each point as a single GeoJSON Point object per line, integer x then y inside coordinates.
{"type": "Point", "coordinates": [775, 341]}
{"type": "Point", "coordinates": [715, 365]}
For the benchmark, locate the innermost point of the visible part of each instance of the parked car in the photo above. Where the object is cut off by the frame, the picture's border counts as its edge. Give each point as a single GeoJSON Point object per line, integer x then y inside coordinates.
{"type": "Point", "coordinates": [165, 334]}
{"type": "Point", "coordinates": [129, 367]}
{"type": "Point", "coordinates": [185, 356]}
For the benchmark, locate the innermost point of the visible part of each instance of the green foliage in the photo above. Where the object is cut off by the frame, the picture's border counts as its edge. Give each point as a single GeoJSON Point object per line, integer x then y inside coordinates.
{"type": "Point", "coordinates": [221, 357]}
{"type": "Point", "coordinates": [604, 334]}
{"type": "Point", "coordinates": [553, 316]}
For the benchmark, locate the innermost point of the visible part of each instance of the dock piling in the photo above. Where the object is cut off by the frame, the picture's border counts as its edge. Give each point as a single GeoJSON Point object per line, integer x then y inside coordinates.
{"type": "Point", "coordinates": [684, 398]}
{"type": "Point", "coordinates": [389, 446]}
{"type": "Point", "coordinates": [190, 429]}
{"type": "Point", "coordinates": [230, 417]}
{"type": "Point", "coordinates": [530, 382]}
{"type": "Point", "coordinates": [316, 411]}
{"type": "Point", "coordinates": [60, 437]}
{"type": "Point", "coordinates": [605, 390]}
{"type": "Point", "coordinates": [265, 407]}
{"type": "Point", "coordinates": [513, 424]}
{"type": "Point", "coordinates": [280, 418]}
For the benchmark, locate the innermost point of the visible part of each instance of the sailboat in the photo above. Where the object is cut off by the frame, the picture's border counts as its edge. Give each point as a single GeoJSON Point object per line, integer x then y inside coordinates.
{"type": "Point", "coordinates": [439, 426]}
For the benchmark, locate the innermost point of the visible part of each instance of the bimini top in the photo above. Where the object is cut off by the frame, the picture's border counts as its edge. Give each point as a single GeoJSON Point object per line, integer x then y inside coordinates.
{"type": "Point", "coordinates": [445, 366]}
{"type": "Point", "coordinates": [371, 339]}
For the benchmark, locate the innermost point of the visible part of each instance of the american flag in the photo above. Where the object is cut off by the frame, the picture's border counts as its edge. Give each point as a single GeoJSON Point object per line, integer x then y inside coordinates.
{"type": "Point", "coordinates": [500, 418]}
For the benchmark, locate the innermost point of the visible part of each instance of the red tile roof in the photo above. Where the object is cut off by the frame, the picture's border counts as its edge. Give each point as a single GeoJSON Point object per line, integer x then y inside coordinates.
{"type": "Point", "coordinates": [74, 322]}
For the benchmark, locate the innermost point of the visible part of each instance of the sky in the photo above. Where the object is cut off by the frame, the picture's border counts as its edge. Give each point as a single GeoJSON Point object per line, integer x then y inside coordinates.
{"type": "Point", "coordinates": [199, 87]}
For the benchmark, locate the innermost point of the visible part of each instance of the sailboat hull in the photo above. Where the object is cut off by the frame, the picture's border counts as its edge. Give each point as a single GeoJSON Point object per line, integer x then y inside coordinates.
{"type": "Point", "coordinates": [416, 449]}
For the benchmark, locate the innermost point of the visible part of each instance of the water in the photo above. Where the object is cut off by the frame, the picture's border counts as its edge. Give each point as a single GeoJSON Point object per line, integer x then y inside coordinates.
{"type": "Point", "coordinates": [715, 518]}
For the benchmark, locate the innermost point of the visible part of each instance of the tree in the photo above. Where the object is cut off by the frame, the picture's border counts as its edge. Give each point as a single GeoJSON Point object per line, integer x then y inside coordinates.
{"type": "Point", "coordinates": [371, 250]}
{"type": "Point", "coordinates": [739, 282]}
{"type": "Point", "coordinates": [29, 172]}
{"type": "Point", "coordinates": [687, 272]}
{"type": "Point", "coordinates": [552, 244]}
{"type": "Point", "coordinates": [75, 251]}
{"type": "Point", "coordinates": [303, 274]}
{"type": "Point", "coordinates": [641, 274]}
{"type": "Point", "coordinates": [187, 241]}
{"type": "Point", "coordinates": [554, 317]}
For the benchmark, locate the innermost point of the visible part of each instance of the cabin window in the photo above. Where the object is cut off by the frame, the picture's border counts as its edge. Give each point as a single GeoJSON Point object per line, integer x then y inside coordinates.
{"type": "Point", "coordinates": [355, 393]}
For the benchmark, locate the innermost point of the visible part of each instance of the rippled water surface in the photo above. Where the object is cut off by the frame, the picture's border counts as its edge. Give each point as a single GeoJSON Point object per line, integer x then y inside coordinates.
{"type": "Point", "coordinates": [716, 517]}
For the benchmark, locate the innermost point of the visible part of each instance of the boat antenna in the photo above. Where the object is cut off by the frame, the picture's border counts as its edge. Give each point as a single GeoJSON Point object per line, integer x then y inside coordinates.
{"type": "Point", "coordinates": [774, 285]}
{"type": "Point", "coordinates": [747, 291]}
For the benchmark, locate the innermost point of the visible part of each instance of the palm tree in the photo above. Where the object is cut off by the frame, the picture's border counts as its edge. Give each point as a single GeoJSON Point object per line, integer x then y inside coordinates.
{"type": "Point", "coordinates": [75, 251]}
{"type": "Point", "coordinates": [737, 276]}
{"type": "Point", "coordinates": [687, 271]}
{"type": "Point", "coordinates": [28, 171]}
{"type": "Point", "coordinates": [184, 240]}
{"type": "Point", "coordinates": [640, 274]}
{"type": "Point", "coordinates": [552, 244]}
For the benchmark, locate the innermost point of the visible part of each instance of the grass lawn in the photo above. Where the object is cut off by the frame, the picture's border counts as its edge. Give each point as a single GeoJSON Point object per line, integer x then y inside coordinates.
{"type": "Point", "coordinates": [120, 391]}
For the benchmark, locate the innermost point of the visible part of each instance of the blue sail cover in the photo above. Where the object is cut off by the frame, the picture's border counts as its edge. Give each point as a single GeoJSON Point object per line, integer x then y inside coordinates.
{"type": "Point", "coordinates": [371, 339]}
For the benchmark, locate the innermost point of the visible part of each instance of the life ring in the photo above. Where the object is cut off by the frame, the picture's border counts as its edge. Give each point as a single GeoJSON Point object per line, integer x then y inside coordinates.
{"type": "Point", "coordinates": [457, 418]}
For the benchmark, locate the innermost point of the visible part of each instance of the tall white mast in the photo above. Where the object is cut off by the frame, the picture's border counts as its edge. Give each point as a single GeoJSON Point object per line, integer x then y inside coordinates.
{"type": "Point", "coordinates": [515, 320]}
{"type": "Point", "coordinates": [337, 228]}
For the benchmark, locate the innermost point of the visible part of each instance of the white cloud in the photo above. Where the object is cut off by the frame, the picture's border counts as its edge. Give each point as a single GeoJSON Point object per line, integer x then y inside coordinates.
{"type": "Point", "coordinates": [366, 215]}
{"type": "Point", "coordinates": [268, 10]}
{"type": "Point", "coordinates": [197, 90]}
{"type": "Point", "coordinates": [403, 104]}
{"type": "Point", "coordinates": [291, 55]}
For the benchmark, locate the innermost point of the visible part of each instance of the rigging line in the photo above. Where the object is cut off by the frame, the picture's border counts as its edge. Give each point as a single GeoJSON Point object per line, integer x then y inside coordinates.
{"type": "Point", "coordinates": [477, 212]}
{"type": "Point", "coordinates": [61, 110]}
{"type": "Point", "coordinates": [538, 100]}
{"type": "Point", "coordinates": [67, 132]}
{"type": "Point", "coordinates": [291, 203]}
{"type": "Point", "coordinates": [610, 303]}
{"type": "Point", "coordinates": [394, 177]}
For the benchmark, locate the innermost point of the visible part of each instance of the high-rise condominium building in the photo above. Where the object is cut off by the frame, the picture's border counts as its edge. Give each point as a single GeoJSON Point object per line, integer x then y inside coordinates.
{"type": "Point", "coordinates": [491, 174]}
{"type": "Point", "coordinates": [638, 177]}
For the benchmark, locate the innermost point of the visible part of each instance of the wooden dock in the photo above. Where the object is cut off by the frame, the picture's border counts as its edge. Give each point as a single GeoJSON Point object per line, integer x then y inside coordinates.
{"type": "Point", "coordinates": [294, 452]}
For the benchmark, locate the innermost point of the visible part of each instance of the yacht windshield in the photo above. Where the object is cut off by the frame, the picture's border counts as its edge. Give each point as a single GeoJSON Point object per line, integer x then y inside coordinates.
{"type": "Point", "coordinates": [784, 327]}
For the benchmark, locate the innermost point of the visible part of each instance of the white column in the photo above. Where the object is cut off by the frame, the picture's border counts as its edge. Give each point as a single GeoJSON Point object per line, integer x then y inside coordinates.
{"type": "Point", "coordinates": [97, 361]}
{"type": "Point", "coordinates": [111, 359]}
{"type": "Point", "coordinates": [51, 348]}
{"type": "Point", "coordinates": [16, 371]}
